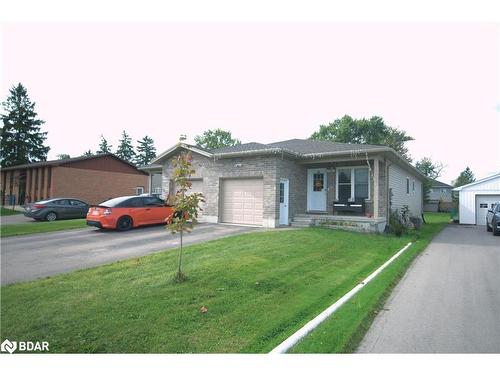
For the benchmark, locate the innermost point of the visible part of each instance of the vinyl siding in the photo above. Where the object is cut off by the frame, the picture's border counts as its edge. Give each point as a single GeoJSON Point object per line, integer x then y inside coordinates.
{"type": "Point", "coordinates": [467, 198]}
{"type": "Point", "coordinates": [397, 183]}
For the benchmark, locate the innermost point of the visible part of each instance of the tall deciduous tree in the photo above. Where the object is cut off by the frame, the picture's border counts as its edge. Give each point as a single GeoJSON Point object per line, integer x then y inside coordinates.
{"type": "Point", "coordinates": [465, 177]}
{"type": "Point", "coordinates": [185, 204]}
{"type": "Point", "coordinates": [146, 151]}
{"type": "Point", "coordinates": [63, 156]}
{"type": "Point", "coordinates": [432, 170]}
{"type": "Point", "coordinates": [104, 146]}
{"type": "Point", "coordinates": [125, 149]}
{"type": "Point", "coordinates": [21, 138]}
{"type": "Point", "coordinates": [216, 138]}
{"type": "Point", "coordinates": [364, 131]}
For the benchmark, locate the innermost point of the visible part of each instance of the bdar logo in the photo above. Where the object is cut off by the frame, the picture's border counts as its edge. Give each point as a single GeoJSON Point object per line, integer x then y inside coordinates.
{"type": "Point", "coordinates": [8, 346]}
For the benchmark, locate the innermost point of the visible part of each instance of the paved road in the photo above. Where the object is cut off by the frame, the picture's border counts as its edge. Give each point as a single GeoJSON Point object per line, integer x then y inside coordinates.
{"type": "Point", "coordinates": [449, 300]}
{"type": "Point", "coordinates": [29, 257]}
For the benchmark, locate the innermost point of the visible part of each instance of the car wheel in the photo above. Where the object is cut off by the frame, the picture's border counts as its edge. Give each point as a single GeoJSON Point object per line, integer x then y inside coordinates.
{"type": "Point", "coordinates": [51, 216]}
{"type": "Point", "coordinates": [124, 223]}
{"type": "Point", "coordinates": [488, 228]}
{"type": "Point", "coordinates": [494, 229]}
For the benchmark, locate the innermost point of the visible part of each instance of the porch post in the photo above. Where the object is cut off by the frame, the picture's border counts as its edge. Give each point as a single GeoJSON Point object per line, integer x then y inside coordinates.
{"type": "Point", "coordinates": [376, 175]}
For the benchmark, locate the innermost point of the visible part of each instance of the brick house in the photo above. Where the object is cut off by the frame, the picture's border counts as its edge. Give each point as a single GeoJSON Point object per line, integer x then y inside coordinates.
{"type": "Point", "coordinates": [92, 179]}
{"type": "Point", "coordinates": [297, 182]}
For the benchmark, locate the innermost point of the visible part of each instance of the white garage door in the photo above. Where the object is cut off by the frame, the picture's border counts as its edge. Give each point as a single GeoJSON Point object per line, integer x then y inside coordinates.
{"type": "Point", "coordinates": [242, 201]}
{"type": "Point", "coordinates": [483, 204]}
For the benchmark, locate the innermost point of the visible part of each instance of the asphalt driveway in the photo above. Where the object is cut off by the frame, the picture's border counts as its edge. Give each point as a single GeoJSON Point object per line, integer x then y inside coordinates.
{"type": "Point", "coordinates": [39, 255]}
{"type": "Point", "coordinates": [449, 300]}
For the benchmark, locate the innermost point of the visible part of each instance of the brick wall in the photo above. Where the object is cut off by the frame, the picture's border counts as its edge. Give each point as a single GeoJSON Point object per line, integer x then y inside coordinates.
{"type": "Point", "coordinates": [93, 186]}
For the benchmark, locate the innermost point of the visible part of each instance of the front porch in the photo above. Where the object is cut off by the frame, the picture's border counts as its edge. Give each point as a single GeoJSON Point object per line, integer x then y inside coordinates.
{"type": "Point", "coordinates": [353, 223]}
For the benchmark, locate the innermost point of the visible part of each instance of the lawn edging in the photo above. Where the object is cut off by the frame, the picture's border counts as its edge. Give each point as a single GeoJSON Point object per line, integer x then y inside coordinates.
{"type": "Point", "coordinates": [312, 324]}
{"type": "Point", "coordinates": [10, 230]}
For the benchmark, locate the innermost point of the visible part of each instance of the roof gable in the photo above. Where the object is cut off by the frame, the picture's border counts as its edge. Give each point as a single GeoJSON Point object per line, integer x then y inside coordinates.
{"type": "Point", "coordinates": [181, 146]}
{"type": "Point", "coordinates": [478, 182]}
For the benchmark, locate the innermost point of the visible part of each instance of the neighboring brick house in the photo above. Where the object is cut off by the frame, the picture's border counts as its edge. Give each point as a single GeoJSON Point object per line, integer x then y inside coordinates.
{"type": "Point", "coordinates": [90, 178]}
{"type": "Point", "coordinates": [298, 182]}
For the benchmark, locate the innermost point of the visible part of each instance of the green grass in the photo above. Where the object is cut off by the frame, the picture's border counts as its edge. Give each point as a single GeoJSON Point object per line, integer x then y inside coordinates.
{"type": "Point", "coordinates": [4, 211]}
{"type": "Point", "coordinates": [7, 230]}
{"type": "Point", "coordinates": [259, 288]}
{"type": "Point", "coordinates": [344, 330]}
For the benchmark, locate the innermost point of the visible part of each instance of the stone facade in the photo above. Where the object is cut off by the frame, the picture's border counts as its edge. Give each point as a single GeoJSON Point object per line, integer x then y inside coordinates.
{"type": "Point", "coordinates": [271, 168]}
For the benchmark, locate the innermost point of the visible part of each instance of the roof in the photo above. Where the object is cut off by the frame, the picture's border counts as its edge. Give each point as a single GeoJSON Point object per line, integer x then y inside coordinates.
{"type": "Point", "coordinates": [439, 184]}
{"type": "Point", "coordinates": [492, 177]}
{"type": "Point", "coordinates": [296, 148]}
{"type": "Point", "coordinates": [63, 161]}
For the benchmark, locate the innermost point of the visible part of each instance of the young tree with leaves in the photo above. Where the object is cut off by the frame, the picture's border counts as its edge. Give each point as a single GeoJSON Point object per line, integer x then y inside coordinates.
{"type": "Point", "coordinates": [21, 138]}
{"type": "Point", "coordinates": [104, 146]}
{"type": "Point", "coordinates": [88, 153]}
{"type": "Point", "coordinates": [185, 204]}
{"type": "Point", "coordinates": [371, 131]}
{"type": "Point", "coordinates": [125, 149]}
{"type": "Point", "coordinates": [465, 177]}
{"type": "Point", "coordinates": [146, 151]}
{"type": "Point", "coordinates": [63, 156]}
{"type": "Point", "coordinates": [214, 139]}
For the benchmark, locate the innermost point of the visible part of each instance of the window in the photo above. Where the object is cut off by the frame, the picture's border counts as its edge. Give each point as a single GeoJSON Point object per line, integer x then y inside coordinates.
{"type": "Point", "coordinates": [318, 181]}
{"type": "Point", "coordinates": [139, 190]}
{"type": "Point", "coordinates": [443, 191]}
{"type": "Point", "coordinates": [352, 183]}
{"type": "Point", "coordinates": [483, 205]}
{"type": "Point", "coordinates": [133, 202]}
{"type": "Point", "coordinates": [153, 202]}
{"type": "Point", "coordinates": [61, 202]}
{"type": "Point", "coordinates": [407, 185]}
{"type": "Point", "coordinates": [76, 203]}
{"type": "Point", "coordinates": [282, 192]}
{"type": "Point", "coordinates": [413, 185]}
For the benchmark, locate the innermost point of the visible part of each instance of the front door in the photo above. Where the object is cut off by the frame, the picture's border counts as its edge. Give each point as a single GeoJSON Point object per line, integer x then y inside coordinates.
{"type": "Point", "coordinates": [316, 189]}
{"type": "Point", "coordinates": [283, 201]}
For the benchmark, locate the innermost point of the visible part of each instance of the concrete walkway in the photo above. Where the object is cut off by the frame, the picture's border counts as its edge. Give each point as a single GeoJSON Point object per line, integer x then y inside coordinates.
{"type": "Point", "coordinates": [449, 300]}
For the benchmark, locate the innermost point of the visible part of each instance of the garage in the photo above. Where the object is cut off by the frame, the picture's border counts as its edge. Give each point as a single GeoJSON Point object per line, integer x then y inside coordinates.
{"type": "Point", "coordinates": [476, 198]}
{"type": "Point", "coordinates": [242, 201]}
{"type": "Point", "coordinates": [483, 204]}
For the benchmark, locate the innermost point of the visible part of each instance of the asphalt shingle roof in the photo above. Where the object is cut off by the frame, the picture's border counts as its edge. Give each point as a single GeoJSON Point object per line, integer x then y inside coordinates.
{"type": "Point", "coordinates": [313, 146]}
{"type": "Point", "coordinates": [252, 146]}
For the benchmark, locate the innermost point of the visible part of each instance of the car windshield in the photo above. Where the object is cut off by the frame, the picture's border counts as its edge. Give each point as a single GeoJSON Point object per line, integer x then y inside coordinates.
{"type": "Point", "coordinates": [114, 202]}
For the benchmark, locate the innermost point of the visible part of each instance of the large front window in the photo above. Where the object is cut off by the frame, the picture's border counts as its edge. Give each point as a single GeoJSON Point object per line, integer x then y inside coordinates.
{"type": "Point", "coordinates": [352, 184]}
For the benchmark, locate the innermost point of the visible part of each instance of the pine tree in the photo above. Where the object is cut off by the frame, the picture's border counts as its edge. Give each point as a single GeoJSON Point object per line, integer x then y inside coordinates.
{"type": "Point", "coordinates": [146, 151]}
{"type": "Point", "coordinates": [125, 149]}
{"type": "Point", "coordinates": [104, 146]}
{"type": "Point", "coordinates": [21, 138]}
{"type": "Point", "coordinates": [465, 177]}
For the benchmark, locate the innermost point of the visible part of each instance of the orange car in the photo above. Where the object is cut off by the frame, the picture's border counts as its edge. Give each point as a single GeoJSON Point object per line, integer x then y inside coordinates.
{"type": "Point", "coordinates": [124, 213]}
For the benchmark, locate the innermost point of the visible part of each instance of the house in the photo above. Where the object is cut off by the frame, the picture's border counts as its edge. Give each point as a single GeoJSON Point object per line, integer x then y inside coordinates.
{"type": "Point", "coordinates": [90, 178]}
{"type": "Point", "coordinates": [476, 198]}
{"type": "Point", "coordinates": [298, 182]}
{"type": "Point", "coordinates": [440, 199]}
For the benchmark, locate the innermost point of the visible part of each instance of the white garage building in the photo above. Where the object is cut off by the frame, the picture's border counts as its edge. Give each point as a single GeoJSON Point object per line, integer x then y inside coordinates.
{"type": "Point", "coordinates": [476, 198]}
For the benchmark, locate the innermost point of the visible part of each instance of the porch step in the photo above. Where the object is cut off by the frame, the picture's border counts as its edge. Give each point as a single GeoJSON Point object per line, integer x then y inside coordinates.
{"type": "Point", "coordinates": [302, 221]}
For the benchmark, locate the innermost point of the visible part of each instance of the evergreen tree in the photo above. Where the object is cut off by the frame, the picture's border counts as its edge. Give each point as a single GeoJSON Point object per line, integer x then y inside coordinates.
{"type": "Point", "coordinates": [125, 149]}
{"type": "Point", "coordinates": [146, 151]}
{"type": "Point", "coordinates": [104, 146]}
{"type": "Point", "coordinates": [465, 177]}
{"type": "Point", "coordinates": [21, 138]}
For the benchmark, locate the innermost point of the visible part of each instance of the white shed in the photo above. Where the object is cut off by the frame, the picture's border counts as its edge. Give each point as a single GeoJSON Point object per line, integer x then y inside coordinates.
{"type": "Point", "coordinates": [476, 198]}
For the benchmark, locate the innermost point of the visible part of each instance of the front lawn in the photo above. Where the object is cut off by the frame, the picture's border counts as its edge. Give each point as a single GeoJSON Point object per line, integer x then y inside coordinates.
{"type": "Point", "coordinates": [344, 330]}
{"type": "Point", "coordinates": [7, 230]}
{"type": "Point", "coordinates": [258, 288]}
{"type": "Point", "coordinates": [5, 211]}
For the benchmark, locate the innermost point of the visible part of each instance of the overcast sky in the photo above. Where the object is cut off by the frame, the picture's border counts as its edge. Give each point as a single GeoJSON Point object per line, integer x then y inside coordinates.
{"type": "Point", "coordinates": [264, 82]}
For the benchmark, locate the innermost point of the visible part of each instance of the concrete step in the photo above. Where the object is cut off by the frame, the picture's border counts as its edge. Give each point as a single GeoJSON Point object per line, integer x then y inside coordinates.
{"type": "Point", "coordinates": [295, 224]}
